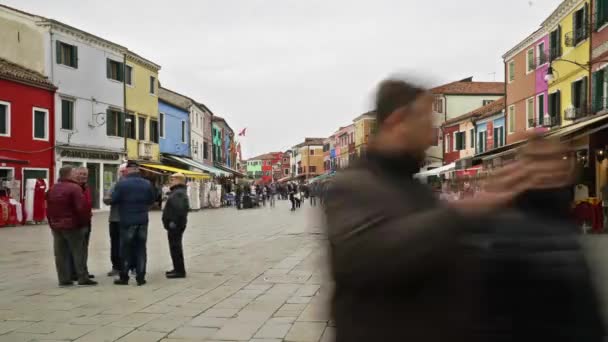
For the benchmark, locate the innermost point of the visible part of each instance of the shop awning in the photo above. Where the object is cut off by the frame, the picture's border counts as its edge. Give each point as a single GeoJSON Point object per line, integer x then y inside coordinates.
{"type": "Point", "coordinates": [230, 170]}
{"type": "Point", "coordinates": [197, 165]}
{"type": "Point", "coordinates": [581, 129]}
{"type": "Point", "coordinates": [187, 173]}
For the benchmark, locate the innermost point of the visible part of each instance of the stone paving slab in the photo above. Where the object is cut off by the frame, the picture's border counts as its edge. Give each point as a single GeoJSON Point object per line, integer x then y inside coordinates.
{"type": "Point", "coordinates": [252, 274]}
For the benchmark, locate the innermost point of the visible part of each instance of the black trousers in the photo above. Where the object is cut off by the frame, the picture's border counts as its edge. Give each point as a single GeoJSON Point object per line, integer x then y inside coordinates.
{"type": "Point", "coordinates": [69, 247]}
{"type": "Point", "coordinates": [176, 248]}
{"type": "Point", "coordinates": [85, 251]}
{"type": "Point", "coordinates": [133, 240]}
{"type": "Point", "coordinates": [115, 245]}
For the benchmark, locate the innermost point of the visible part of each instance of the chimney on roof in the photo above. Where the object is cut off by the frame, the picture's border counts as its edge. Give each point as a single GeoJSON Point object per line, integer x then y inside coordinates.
{"type": "Point", "coordinates": [468, 79]}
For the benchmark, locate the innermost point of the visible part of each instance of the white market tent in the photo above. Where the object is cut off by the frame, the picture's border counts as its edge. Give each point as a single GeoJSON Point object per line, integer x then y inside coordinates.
{"type": "Point", "coordinates": [422, 176]}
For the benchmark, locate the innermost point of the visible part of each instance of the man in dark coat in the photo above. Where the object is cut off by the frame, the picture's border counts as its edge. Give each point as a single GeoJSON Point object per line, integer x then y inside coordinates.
{"type": "Point", "coordinates": [134, 195]}
{"type": "Point", "coordinates": [175, 219]}
{"type": "Point", "coordinates": [408, 268]}
{"type": "Point", "coordinates": [68, 215]}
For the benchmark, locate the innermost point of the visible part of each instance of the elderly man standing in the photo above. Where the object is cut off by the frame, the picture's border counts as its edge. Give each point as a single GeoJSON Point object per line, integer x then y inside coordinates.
{"type": "Point", "coordinates": [68, 214]}
{"type": "Point", "coordinates": [114, 226]}
{"type": "Point", "coordinates": [134, 195]}
{"type": "Point", "coordinates": [175, 219]}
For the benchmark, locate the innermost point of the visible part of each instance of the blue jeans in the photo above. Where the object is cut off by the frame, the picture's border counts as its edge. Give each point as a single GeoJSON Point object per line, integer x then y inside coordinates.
{"type": "Point", "coordinates": [133, 239]}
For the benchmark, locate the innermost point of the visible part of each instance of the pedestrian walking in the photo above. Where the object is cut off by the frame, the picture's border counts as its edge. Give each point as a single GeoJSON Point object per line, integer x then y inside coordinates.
{"type": "Point", "coordinates": [273, 193]}
{"type": "Point", "coordinates": [237, 196]}
{"type": "Point", "coordinates": [68, 215]}
{"type": "Point", "coordinates": [407, 267]}
{"type": "Point", "coordinates": [312, 193]}
{"type": "Point", "coordinates": [291, 191]}
{"type": "Point", "coordinates": [175, 219]}
{"type": "Point", "coordinates": [114, 226]}
{"type": "Point", "coordinates": [134, 196]}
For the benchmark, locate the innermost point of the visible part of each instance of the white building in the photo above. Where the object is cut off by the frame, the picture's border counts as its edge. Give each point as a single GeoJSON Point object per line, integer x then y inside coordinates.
{"type": "Point", "coordinates": [200, 125]}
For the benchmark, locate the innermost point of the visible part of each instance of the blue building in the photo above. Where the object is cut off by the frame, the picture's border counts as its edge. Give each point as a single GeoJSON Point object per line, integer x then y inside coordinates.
{"type": "Point", "coordinates": [174, 129]}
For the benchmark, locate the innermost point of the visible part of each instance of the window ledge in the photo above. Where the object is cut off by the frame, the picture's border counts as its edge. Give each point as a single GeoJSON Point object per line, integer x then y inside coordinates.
{"type": "Point", "coordinates": [604, 25]}
{"type": "Point", "coordinates": [66, 66]}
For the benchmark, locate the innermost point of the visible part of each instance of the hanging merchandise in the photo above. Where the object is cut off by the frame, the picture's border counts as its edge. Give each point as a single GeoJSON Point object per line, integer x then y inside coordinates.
{"type": "Point", "coordinates": [193, 195]}
{"type": "Point", "coordinates": [30, 187]}
{"type": "Point", "coordinates": [39, 214]}
{"type": "Point", "coordinates": [204, 194]}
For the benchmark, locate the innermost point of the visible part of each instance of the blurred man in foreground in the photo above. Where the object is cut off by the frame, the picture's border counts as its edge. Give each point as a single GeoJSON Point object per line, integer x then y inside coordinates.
{"type": "Point", "coordinates": [407, 268]}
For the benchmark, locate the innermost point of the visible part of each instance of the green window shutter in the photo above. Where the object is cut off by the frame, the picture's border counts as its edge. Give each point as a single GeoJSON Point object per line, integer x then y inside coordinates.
{"type": "Point", "coordinates": [58, 51]}
{"type": "Point", "coordinates": [583, 100]}
{"type": "Point", "coordinates": [558, 106]}
{"type": "Point", "coordinates": [585, 19]}
{"type": "Point", "coordinates": [108, 68]}
{"type": "Point", "coordinates": [559, 40]}
{"type": "Point", "coordinates": [596, 14]}
{"type": "Point", "coordinates": [75, 56]}
{"type": "Point", "coordinates": [110, 123]}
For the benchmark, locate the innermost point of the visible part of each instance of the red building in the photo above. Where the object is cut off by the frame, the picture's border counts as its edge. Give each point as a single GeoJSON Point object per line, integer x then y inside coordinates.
{"type": "Point", "coordinates": [285, 165]}
{"type": "Point", "coordinates": [450, 153]}
{"type": "Point", "coordinates": [270, 164]}
{"type": "Point", "coordinates": [27, 106]}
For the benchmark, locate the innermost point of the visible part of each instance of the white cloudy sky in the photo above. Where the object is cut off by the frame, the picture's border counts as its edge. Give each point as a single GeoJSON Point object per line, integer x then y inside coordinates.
{"type": "Point", "coordinates": [286, 69]}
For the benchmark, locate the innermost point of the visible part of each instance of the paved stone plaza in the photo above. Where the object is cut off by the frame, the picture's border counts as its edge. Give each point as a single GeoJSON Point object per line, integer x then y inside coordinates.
{"type": "Point", "coordinates": [253, 275]}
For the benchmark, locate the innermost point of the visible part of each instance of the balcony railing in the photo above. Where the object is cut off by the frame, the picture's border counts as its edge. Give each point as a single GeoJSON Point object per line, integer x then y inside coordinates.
{"type": "Point", "coordinates": [555, 52]}
{"type": "Point", "coordinates": [551, 120]}
{"type": "Point", "coordinates": [575, 113]}
{"type": "Point", "coordinates": [580, 34]}
{"type": "Point", "coordinates": [600, 105]}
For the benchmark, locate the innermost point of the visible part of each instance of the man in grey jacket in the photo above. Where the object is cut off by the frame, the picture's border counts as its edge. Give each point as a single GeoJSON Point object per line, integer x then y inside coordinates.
{"type": "Point", "coordinates": [114, 225]}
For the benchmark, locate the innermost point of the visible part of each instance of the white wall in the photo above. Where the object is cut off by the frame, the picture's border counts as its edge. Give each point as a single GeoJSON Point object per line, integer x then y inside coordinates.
{"type": "Point", "coordinates": [92, 91]}
{"type": "Point", "coordinates": [197, 132]}
{"type": "Point", "coordinates": [462, 104]}
{"type": "Point", "coordinates": [22, 40]}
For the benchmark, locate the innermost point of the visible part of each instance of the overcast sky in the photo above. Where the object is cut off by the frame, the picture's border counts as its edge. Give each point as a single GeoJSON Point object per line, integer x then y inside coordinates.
{"type": "Point", "coordinates": [289, 69]}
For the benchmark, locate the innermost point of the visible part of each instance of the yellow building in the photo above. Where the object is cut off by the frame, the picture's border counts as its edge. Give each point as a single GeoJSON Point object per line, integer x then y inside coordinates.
{"type": "Point", "coordinates": [364, 127]}
{"type": "Point", "coordinates": [141, 79]}
{"type": "Point", "coordinates": [568, 76]}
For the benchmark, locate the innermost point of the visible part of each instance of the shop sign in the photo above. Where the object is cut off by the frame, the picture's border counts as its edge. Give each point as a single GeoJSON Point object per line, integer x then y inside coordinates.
{"type": "Point", "coordinates": [90, 155]}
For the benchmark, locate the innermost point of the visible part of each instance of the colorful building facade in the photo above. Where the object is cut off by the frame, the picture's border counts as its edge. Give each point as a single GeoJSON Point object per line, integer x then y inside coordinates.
{"type": "Point", "coordinates": [365, 126]}
{"type": "Point", "coordinates": [27, 126]}
{"type": "Point", "coordinates": [174, 125]}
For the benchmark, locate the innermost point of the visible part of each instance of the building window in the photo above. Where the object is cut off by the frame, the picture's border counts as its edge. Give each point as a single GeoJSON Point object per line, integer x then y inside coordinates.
{"type": "Point", "coordinates": [486, 102]}
{"type": "Point", "coordinates": [438, 105]}
{"type": "Point", "coordinates": [154, 131]}
{"type": "Point", "coordinates": [183, 131]}
{"type": "Point", "coordinates": [205, 150]}
{"type": "Point", "coordinates": [511, 119]}
{"type": "Point", "coordinates": [41, 124]}
{"type": "Point", "coordinates": [128, 75]}
{"type": "Point", "coordinates": [115, 70]}
{"type": "Point", "coordinates": [579, 96]}
{"type": "Point", "coordinates": [152, 85]}
{"type": "Point", "coordinates": [541, 54]}
{"type": "Point", "coordinates": [499, 136]}
{"type": "Point", "coordinates": [598, 87]}
{"type": "Point", "coordinates": [540, 109]}
{"type": "Point", "coordinates": [285, 172]}
{"type": "Point", "coordinates": [460, 141]}
{"type": "Point", "coordinates": [141, 128]}
{"type": "Point", "coordinates": [312, 151]}
{"type": "Point", "coordinates": [435, 136]}
{"type": "Point", "coordinates": [511, 71]}
{"type": "Point", "coordinates": [555, 43]}
{"type": "Point", "coordinates": [161, 119]}
{"type": "Point", "coordinates": [530, 61]}
{"type": "Point", "coordinates": [130, 125]}
{"type": "Point", "coordinates": [481, 141]}
{"type": "Point", "coordinates": [472, 137]}
{"type": "Point", "coordinates": [580, 23]}
{"type": "Point", "coordinates": [5, 119]}
{"type": "Point", "coordinates": [554, 108]}
{"type": "Point", "coordinates": [67, 54]}
{"type": "Point", "coordinates": [530, 113]}
{"type": "Point", "coordinates": [447, 143]}
{"type": "Point", "coordinates": [312, 169]}
{"type": "Point", "coordinates": [601, 13]}
{"type": "Point", "coordinates": [67, 114]}
{"type": "Point", "coordinates": [114, 123]}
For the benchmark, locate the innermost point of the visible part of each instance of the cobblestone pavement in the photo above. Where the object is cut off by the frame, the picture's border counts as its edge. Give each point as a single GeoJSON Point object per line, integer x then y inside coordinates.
{"type": "Point", "coordinates": [253, 275]}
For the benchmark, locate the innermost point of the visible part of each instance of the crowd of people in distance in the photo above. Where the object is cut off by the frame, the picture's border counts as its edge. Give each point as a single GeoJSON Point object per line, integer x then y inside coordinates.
{"type": "Point", "coordinates": [69, 213]}
{"type": "Point", "coordinates": [252, 195]}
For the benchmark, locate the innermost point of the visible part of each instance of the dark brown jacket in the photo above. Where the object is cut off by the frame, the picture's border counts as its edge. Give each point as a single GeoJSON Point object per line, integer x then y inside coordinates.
{"type": "Point", "coordinates": [401, 272]}
{"type": "Point", "coordinates": [407, 268]}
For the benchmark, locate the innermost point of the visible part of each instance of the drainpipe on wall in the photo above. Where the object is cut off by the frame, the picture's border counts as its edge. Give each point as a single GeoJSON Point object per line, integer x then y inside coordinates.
{"type": "Point", "coordinates": [51, 74]}
{"type": "Point", "coordinates": [124, 102]}
{"type": "Point", "coordinates": [590, 30]}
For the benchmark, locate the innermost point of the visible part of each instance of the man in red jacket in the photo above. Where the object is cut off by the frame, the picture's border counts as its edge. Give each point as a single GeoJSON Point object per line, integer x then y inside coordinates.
{"type": "Point", "coordinates": [68, 215]}
{"type": "Point", "coordinates": [83, 178]}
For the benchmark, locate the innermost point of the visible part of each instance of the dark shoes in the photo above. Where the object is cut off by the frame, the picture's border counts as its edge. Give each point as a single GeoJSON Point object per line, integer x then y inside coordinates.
{"type": "Point", "coordinates": [75, 278]}
{"type": "Point", "coordinates": [87, 282]}
{"type": "Point", "coordinates": [113, 273]}
{"type": "Point", "coordinates": [66, 283]}
{"type": "Point", "coordinates": [141, 282]}
{"type": "Point", "coordinates": [121, 282]}
{"type": "Point", "coordinates": [175, 275]}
